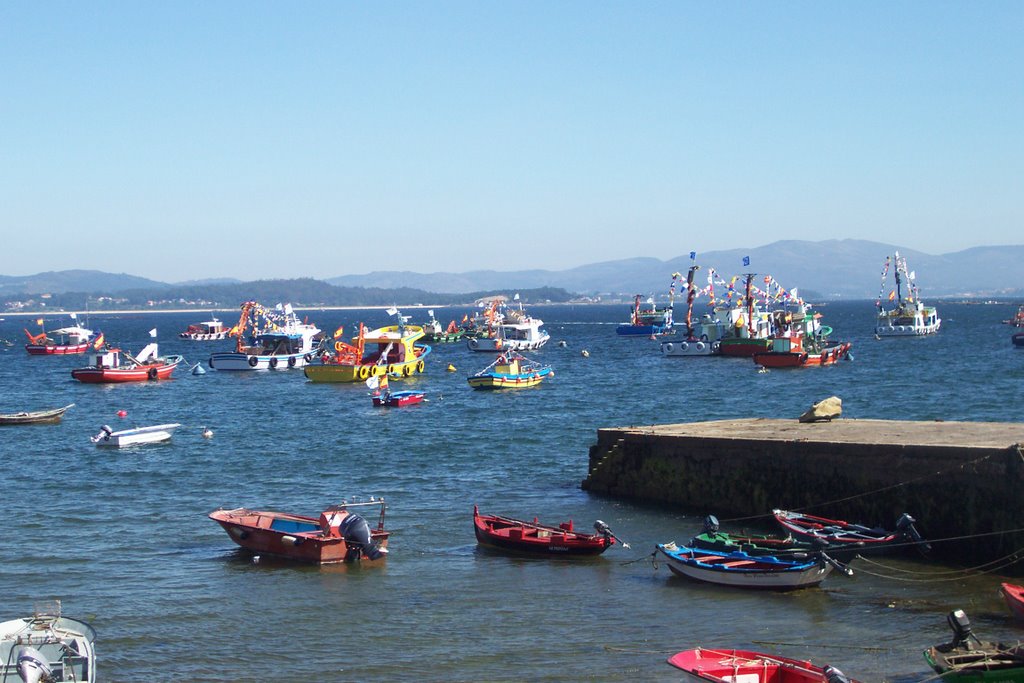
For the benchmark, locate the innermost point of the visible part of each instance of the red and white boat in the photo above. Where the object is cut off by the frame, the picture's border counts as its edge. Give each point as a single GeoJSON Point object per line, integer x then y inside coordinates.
{"type": "Point", "coordinates": [66, 340]}
{"type": "Point", "coordinates": [114, 366]}
{"type": "Point", "coordinates": [1014, 596]}
{"type": "Point", "coordinates": [339, 535]}
{"type": "Point", "coordinates": [535, 538]}
{"type": "Point", "coordinates": [211, 330]}
{"type": "Point", "coordinates": [744, 666]}
{"type": "Point", "coordinates": [794, 351]}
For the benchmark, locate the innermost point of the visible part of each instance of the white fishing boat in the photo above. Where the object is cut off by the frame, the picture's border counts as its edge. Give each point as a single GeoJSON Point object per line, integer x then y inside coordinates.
{"type": "Point", "coordinates": [47, 647]}
{"type": "Point", "coordinates": [515, 331]}
{"type": "Point", "coordinates": [108, 438]}
{"type": "Point", "coordinates": [210, 330]}
{"type": "Point", "coordinates": [908, 317]}
{"type": "Point", "coordinates": [279, 340]}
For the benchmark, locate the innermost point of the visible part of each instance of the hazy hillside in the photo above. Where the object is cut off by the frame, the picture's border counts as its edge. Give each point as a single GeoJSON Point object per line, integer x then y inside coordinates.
{"type": "Point", "coordinates": [830, 269]}
{"type": "Point", "coordinates": [75, 280]}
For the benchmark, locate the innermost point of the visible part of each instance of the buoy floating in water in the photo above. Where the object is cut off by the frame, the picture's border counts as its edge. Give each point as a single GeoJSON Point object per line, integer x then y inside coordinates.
{"type": "Point", "coordinates": [585, 353]}
{"type": "Point", "coordinates": [451, 368]}
{"type": "Point", "coordinates": [122, 413]}
{"type": "Point", "coordinates": [562, 344]}
{"type": "Point", "coordinates": [207, 433]}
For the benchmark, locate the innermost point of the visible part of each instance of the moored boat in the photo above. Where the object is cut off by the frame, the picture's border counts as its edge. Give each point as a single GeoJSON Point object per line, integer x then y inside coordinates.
{"type": "Point", "coordinates": [747, 327]}
{"type": "Point", "coordinates": [108, 438]}
{"type": "Point", "coordinates": [340, 534]}
{"type": "Point", "coordinates": [712, 538]}
{"type": "Point", "coordinates": [521, 536]}
{"type": "Point", "coordinates": [966, 659]}
{"type": "Point", "coordinates": [278, 341]}
{"type": "Point", "coordinates": [908, 317]}
{"type": "Point", "coordinates": [47, 647]}
{"type": "Point", "coordinates": [1018, 339]}
{"type": "Point", "coordinates": [398, 399]}
{"type": "Point", "coordinates": [694, 342]}
{"type": "Point", "coordinates": [743, 570]}
{"type": "Point", "coordinates": [1017, 320]}
{"type": "Point", "coordinates": [516, 331]}
{"type": "Point", "coordinates": [393, 350]}
{"type": "Point", "coordinates": [34, 417]}
{"type": "Point", "coordinates": [1013, 594]}
{"type": "Point", "coordinates": [650, 321]}
{"type": "Point", "coordinates": [839, 535]}
{"type": "Point", "coordinates": [434, 333]}
{"type": "Point", "coordinates": [114, 366]}
{"type": "Point", "coordinates": [723, 665]}
{"type": "Point", "coordinates": [797, 351]}
{"type": "Point", "coordinates": [210, 330]}
{"type": "Point", "coordinates": [510, 370]}
{"type": "Point", "coordinates": [64, 341]}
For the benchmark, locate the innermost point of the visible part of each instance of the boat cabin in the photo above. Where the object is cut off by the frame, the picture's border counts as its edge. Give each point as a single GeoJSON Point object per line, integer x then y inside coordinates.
{"type": "Point", "coordinates": [209, 327]}
{"type": "Point", "coordinates": [107, 359]}
{"type": "Point", "coordinates": [507, 366]}
{"type": "Point", "coordinates": [278, 344]}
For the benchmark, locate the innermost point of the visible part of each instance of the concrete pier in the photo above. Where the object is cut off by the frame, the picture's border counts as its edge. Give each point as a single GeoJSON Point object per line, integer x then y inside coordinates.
{"type": "Point", "coordinates": [962, 481]}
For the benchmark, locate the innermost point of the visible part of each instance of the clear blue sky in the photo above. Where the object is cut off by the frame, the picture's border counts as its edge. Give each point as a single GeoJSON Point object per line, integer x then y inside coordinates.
{"type": "Point", "coordinates": [259, 140]}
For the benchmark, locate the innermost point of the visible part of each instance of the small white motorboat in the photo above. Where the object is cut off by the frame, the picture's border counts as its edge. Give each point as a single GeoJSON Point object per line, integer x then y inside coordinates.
{"type": "Point", "coordinates": [131, 437]}
{"type": "Point", "coordinates": [47, 647]}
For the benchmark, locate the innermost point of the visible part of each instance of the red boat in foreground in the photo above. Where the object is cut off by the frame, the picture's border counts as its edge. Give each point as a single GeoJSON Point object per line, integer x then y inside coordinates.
{"type": "Point", "coordinates": [107, 367]}
{"type": "Point", "coordinates": [792, 352]}
{"type": "Point", "coordinates": [535, 538]}
{"type": "Point", "coordinates": [1014, 596]}
{"type": "Point", "coordinates": [744, 666]}
{"type": "Point", "coordinates": [339, 535]}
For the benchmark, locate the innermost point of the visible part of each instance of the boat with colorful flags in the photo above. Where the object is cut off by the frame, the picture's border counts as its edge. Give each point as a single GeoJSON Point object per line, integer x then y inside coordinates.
{"type": "Point", "coordinates": [908, 317]}
{"type": "Point", "coordinates": [73, 339]}
{"type": "Point", "coordinates": [650, 320]}
{"type": "Point", "coordinates": [696, 341]}
{"type": "Point", "coordinates": [278, 340]}
{"type": "Point", "coordinates": [393, 350]}
{"type": "Point", "coordinates": [435, 333]}
{"type": "Point", "coordinates": [510, 328]}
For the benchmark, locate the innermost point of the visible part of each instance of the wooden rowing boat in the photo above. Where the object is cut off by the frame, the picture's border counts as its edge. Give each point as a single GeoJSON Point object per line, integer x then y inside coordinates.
{"type": "Point", "coordinates": [49, 416]}
{"type": "Point", "coordinates": [738, 666]}
{"type": "Point", "coordinates": [517, 535]}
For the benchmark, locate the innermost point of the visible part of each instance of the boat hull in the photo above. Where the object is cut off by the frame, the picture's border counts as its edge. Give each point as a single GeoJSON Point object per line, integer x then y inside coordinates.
{"type": "Point", "coordinates": [141, 373]}
{"type": "Point", "coordinates": [234, 361]}
{"type": "Point", "coordinates": [340, 372]}
{"type": "Point", "coordinates": [493, 380]}
{"type": "Point", "coordinates": [784, 359]}
{"type": "Point", "coordinates": [399, 399]}
{"type": "Point", "coordinates": [518, 536]}
{"type": "Point", "coordinates": [627, 330]}
{"type": "Point", "coordinates": [35, 417]}
{"type": "Point", "coordinates": [1018, 339]}
{"type": "Point", "coordinates": [743, 348]}
{"type": "Point", "coordinates": [690, 347]}
{"type": "Point", "coordinates": [732, 666]}
{"type": "Point", "coordinates": [56, 349]}
{"type": "Point", "coordinates": [742, 570]}
{"type": "Point", "coordinates": [497, 344]}
{"type": "Point", "coordinates": [293, 537]}
{"type": "Point", "coordinates": [203, 336]}
{"type": "Point", "coordinates": [136, 437]}
{"type": "Point", "coordinates": [1014, 596]}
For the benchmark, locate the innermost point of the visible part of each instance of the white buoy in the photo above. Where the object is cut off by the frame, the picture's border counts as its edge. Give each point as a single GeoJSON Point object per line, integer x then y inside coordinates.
{"type": "Point", "coordinates": [207, 433]}
{"type": "Point", "coordinates": [585, 353]}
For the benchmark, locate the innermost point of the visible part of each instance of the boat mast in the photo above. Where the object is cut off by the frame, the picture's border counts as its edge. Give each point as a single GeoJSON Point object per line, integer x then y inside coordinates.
{"type": "Point", "coordinates": [750, 305]}
{"type": "Point", "coordinates": [691, 294]}
{"type": "Point", "coordinates": [899, 266]}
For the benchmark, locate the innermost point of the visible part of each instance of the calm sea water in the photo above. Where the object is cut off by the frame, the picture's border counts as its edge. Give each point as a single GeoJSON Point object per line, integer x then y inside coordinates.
{"type": "Point", "coordinates": [123, 539]}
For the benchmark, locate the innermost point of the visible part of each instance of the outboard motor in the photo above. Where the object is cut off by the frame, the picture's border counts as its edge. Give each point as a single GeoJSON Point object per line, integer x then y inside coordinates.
{"type": "Point", "coordinates": [606, 531]}
{"type": "Point", "coordinates": [905, 525]}
{"type": "Point", "coordinates": [834, 675]}
{"type": "Point", "coordinates": [820, 546]}
{"type": "Point", "coordinates": [32, 666]}
{"type": "Point", "coordinates": [105, 432]}
{"type": "Point", "coordinates": [961, 627]}
{"type": "Point", "coordinates": [356, 533]}
{"type": "Point", "coordinates": [711, 525]}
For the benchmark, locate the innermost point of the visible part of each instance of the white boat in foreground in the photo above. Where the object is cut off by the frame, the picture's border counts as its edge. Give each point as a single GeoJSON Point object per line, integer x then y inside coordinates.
{"type": "Point", "coordinates": [131, 437]}
{"type": "Point", "coordinates": [47, 647]}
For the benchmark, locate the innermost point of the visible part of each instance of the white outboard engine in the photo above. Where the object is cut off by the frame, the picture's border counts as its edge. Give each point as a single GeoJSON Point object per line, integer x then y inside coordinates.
{"type": "Point", "coordinates": [105, 432]}
{"type": "Point", "coordinates": [356, 533]}
{"type": "Point", "coordinates": [905, 525]}
{"type": "Point", "coordinates": [32, 666]}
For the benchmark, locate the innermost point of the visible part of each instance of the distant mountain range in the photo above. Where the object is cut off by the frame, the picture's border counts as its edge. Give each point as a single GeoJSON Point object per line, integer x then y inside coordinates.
{"type": "Point", "coordinates": [830, 269]}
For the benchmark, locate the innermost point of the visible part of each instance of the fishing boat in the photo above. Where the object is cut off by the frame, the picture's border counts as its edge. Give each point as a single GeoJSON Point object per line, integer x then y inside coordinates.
{"type": "Point", "coordinates": [794, 350]}
{"type": "Point", "coordinates": [520, 536]}
{"type": "Point", "coordinates": [278, 340]}
{"type": "Point", "coordinates": [744, 666]}
{"type": "Point", "coordinates": [210, 330]}
{"type": "Point", "coordinates": [49, 416]}
{"type": "Point", "coordinates": [340, 534]}
{"type": "Point", "coordinates": [650, 321]}
{"type": "Point", "coordinates": [748, 328]}
{"type": "Point", "coordinates": [966, 659]}
{"type": "Point", "coordinates": [748, 571]}
{"type": "Point", "coordinates": [64, 341]}
{"type": "Point", "coordinates": [516, 331]}
{"type": "Point", "coordinates": [840, 536]}
{"type": "Point", "coordinates": [113, 366]}
{"type": "Point", "coordinates": [47, 648]}
{"type": "Point", "coordinates": [1017, 320]}
{"type": "Point", "coordinates": [1014, 597]}
{"type": "Point", "coordinates": [908, 317]}
{"type": "Point", "coordinates": [714, 539]}
{"type": "Point", "coordinates": [510, 370]}
{"type": "Point", "coordinates": [383, 397]}
{"type": "Point", "coordinates": [694, 342]}
{"type": "Point", "coordinates": [393, 350]}
{"type": "Point", "coordinates": [435, 333]}
{"type": "Point", "coordinates": [108, 438]}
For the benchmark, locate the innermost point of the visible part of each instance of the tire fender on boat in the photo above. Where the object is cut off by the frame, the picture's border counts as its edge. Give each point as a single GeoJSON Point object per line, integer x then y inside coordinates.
{"type": "Point", "coordinates": [364, 372]}
{"type": "Point", "coordinates": [408, 370]}
{"type": "Point", "coordinates": [473, 343]}
{"type": "Point", "coordinates": [253, 361]}
{"type": "Point", "coordinates": [152, 374]}
{"type": "Point", "coordinates": [291, 362]}
{"type": "Point", "coordinates": [419, 366]}
{"type": "Point", "coordinates": [308, 357]}
{"type": "Point", "coordinates": [683, 346]}
{"type": "Point", "coordinates": [700, 346]}
{"type": "Point", "coordinates": [272, 363]}
{"type": "Point", "coordinates": [667, 347]}
{"type": "Point", "coordinates": [391, 369]}
{"type": "Point", "coordinates": [803, 357]}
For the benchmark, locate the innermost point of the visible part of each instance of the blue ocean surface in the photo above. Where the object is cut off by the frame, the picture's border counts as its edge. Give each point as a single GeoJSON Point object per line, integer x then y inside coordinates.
{"type": "Point", "coordinates": [122, 537]}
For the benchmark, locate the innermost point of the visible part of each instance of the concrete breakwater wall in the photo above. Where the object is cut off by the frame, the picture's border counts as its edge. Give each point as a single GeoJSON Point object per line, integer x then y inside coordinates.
{"type": "Point", "coordinates": [962, 481]}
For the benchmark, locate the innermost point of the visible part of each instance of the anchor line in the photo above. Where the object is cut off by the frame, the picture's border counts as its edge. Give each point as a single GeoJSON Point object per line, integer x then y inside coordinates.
{"type": "Point", "coordinates": [874, 491]}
